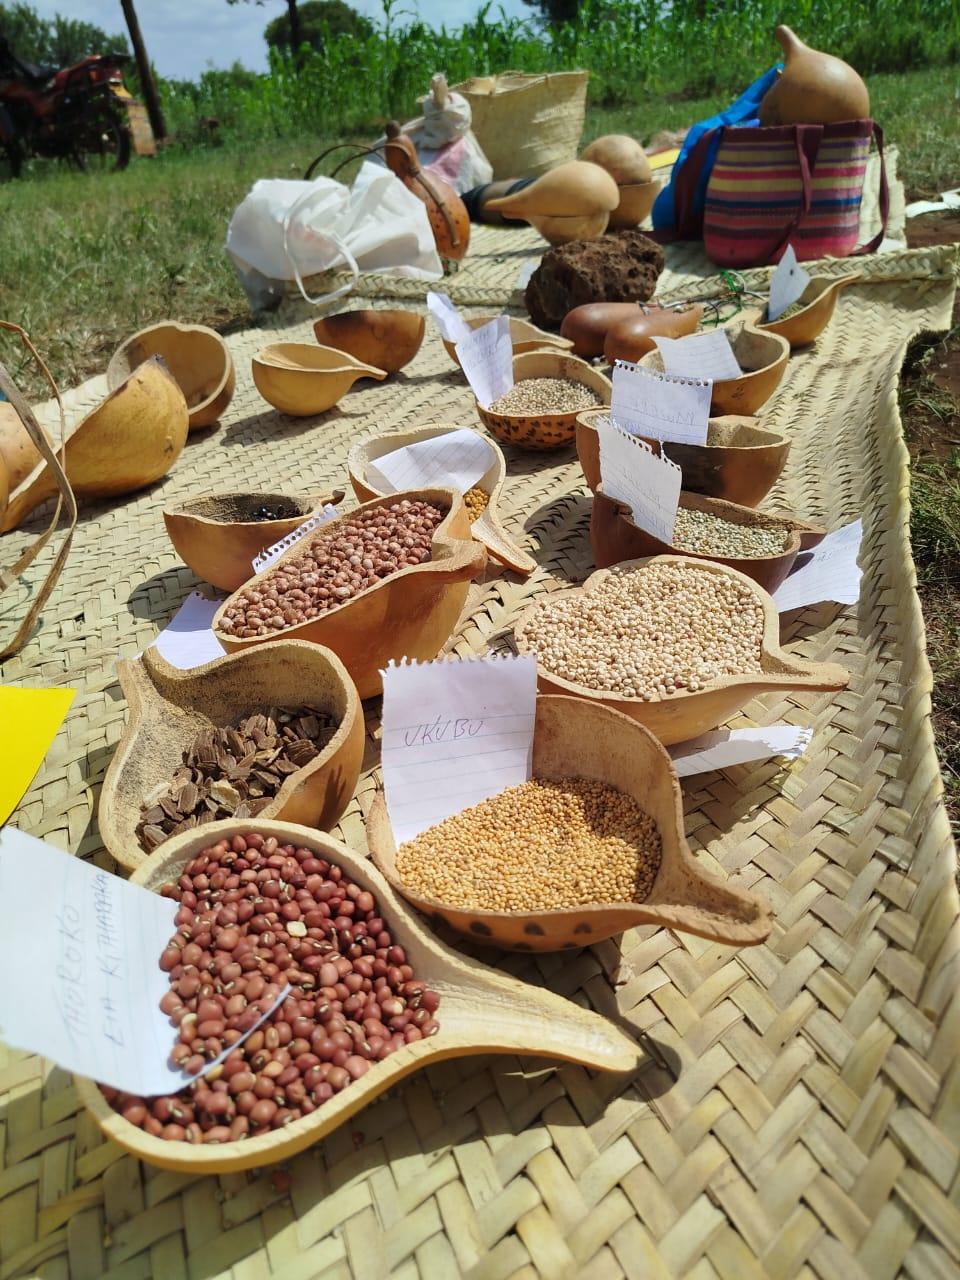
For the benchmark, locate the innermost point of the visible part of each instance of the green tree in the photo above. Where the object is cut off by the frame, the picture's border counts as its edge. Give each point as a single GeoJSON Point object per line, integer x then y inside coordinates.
{"type": "Point", "coordinates": [556, 12]}
{"type": "Point", "coordinates": [318, 19]}
{"type": "Point", "coordinates": [57, 41]}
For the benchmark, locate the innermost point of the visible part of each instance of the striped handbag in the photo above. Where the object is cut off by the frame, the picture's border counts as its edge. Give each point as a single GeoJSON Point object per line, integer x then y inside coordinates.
{"type": "Point", "coordinates": [799, 184]}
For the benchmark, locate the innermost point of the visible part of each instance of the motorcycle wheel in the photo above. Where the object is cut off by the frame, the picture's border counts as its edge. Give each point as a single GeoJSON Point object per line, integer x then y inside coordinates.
{"type": "Point", "coordinates": [11, 161]}
{"type": "Point", "coordinates": [103, 138]}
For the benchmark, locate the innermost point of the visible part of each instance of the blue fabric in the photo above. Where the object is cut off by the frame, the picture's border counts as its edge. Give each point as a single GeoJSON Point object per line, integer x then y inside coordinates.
{"type": "Point", "coordinates": [743, 112]}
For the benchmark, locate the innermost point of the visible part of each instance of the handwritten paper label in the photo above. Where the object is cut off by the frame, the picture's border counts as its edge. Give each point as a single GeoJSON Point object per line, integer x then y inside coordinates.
{"type": "Point", "coordinates": [269, 554]}
{"type": "Point", "coordinates": [455, 732]}
{"type": "Point", "coordinates": [647, 403]}
{"type": "Point", "coordinates": [82, 960]}
{"type": "Point", "coordinates": [447, 318]}
{"type": "Point", "coordinates": [632, 473]}
{"type": "Point", "coordinates": [786, 284]}
{"type": "Point", "coordinates": [486, 357]}
{"type": "Point", "coordinates": [725, 747]}
{"type": "Point", "coordinates": [828, 572]}
{"type": "Point", "coordinates": [456, 460]}
{"type": "Point", "coordinates": [701, 355]}
{"type": "Point", "coordinates": [187, 640]}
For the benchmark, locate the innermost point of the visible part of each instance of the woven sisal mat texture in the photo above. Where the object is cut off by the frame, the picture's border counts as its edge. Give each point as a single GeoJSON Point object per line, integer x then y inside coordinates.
{"type": "Point", "coordinates": [799, 1112]}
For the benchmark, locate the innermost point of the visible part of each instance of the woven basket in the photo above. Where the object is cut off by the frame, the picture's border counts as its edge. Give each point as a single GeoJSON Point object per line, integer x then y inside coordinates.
{"type": "Point", "coordinates": [527, 124]}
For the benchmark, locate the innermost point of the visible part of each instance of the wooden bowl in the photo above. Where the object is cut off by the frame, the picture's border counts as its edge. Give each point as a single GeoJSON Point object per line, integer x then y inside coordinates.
{"type": "Point", "coordinates": [524, 337]}
{"type": "Point", "coordinates": [487, 529]}
{"type": "Point", "coordinates": [130, 440]}
{"type": "Point", "coordinates": [168, 708]}
{"type": "Point", "coordinates": [686, 715]}
{"type": "Point", "coordinates": [614, 537]}
{"type": "Point", "coordinates": [301, 379]}
{"type": "Point", "coordinates": [763, 358]}
{"type": "Point", "coordinates": [740, 461]}
{"type": "Point", "coordinates": [387, 340]}
{"type": "Point", "coordinates": [636, 201]}
{"type": "Point", "coordinates": [408, 615]}
{"type": "Point", "coordinates": [573, 738]}
{"type": "Point", "coordinates": [198, 358]}
{"type": "Point", "coordinates": [216, 538]}
{"type": "Point", "coordinates": [805, 326]}
{"type": "Point", "coordinates": [482, 1011]}
{"type": "Point", "coordinates": [547, 430]}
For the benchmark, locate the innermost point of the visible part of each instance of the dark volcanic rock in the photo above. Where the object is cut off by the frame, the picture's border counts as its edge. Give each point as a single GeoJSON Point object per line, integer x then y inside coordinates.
{"type": "Point", "coordinates": [622, 266]}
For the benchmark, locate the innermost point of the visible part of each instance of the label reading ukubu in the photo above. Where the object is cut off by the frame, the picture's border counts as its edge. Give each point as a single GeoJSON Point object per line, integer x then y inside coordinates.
{"type": "Point", "coordinates": [486, 358]}
{"type": "Point", "coordinates": [81, 953]}
{"type": "Point", "coordinates": [647, 403]}
{"type": "Point", "coordinates": [632, 473]}
{"type": "Point", "coordinates": [455, 732]}
{"type": "Point", "coordinates": [786, 284]}
{"type": "Point", "coordinates": [700, 355]}
{"type": "Point", "coordinates": [270, 554]}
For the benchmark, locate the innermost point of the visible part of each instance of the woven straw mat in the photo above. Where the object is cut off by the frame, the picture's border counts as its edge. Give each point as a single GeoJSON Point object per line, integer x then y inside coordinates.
{"type": "Point", "coordinates": [798, 1114]}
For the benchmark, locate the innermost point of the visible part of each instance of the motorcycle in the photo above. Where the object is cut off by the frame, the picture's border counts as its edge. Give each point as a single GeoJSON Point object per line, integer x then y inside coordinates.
{"type": "Point", "coordinates": [78, 113]}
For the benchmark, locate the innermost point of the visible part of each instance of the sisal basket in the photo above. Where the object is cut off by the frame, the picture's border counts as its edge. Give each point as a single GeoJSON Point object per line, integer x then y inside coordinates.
{"type": "Point", "coordinates": [526, 123]}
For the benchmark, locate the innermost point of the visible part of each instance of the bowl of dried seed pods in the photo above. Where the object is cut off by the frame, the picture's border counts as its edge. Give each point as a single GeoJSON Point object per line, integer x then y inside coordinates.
{"type": "Point", "coordinates": [762, 357]}
{"type": "Point", "coordinates": [676, 643]}
{"type": "Point", "coordinates": [540, 409]}
{"type": "Point", "coordinates": [590, 846]}
{"type": "Point", "coordinates": [273, 732]}
{"type": "Point", "coordinates": [480, 500]}
{"type": "Point", "coordinates": [740, 460]}
{"type": "Point", "coordinates": [762, 545]}
{"type": "Point", "coordinates": [373, 997]}
{"type": "Point", "coordinates": [804, 321]}
{"type": "Point", "coordinates": [386, 581]}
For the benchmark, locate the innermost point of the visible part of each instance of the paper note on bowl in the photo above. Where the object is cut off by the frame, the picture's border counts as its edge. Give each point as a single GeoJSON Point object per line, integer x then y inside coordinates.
{"type": "Point", "coordinates": [447, 318]}
{"type": "Point", "coordinates": [486, 358]}
{"type": "Point", "coordinates": [786, 284]}
{"type": "Point", "coordinates": [187, 640]}
{"type": "Point", "coordinates": [269, 554]}
{"type": "Point", "coordinates": [632, 473]}
{"type": "Point", "coordinates": [725, 747]}
{"type": "Point", "coordinates": [455, 732]}
{"type": "Point", "coordinates": [30, 719]}
{"type": "Point", "coordinates": [647, 403]}
{"type": "Point", "coordinates": [86, 951]}
{"type": "Point", "coordinates": [701, 355]}
{"type": "Point", "coordinates": [454, 460]}
{"type": "Point", "coordinates": [828, 572]}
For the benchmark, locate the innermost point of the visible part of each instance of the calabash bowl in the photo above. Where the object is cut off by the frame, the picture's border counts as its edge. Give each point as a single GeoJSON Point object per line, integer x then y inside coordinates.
{"type": "Point", "coordinates": [544, 431]}
{"type": "Point", "coordinates": [636, 201]}
{"type": "Point", "coordinates": [762, 357]}
{"type": "Point", "coordinates": [387, 340]}
{"type": "Point", "coordinates": [524, 337]}
{"type": "Point", "coordinates": [197, 357]}
{"type": "Point", "coordinates": [819, 301]}
{"type": "Point", "coordinates": [167, 708]}
{"type": "Point", "coordinates": [481, 1011]}
{"type": "Point", "coordinates": [301, 380]}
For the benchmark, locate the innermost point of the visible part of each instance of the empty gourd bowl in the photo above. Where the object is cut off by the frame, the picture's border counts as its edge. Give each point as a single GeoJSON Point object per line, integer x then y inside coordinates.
{"type": "Point", "coordinates": [487, 528]}
{"type": "Point", "coordinates": [562, 229]}
{"type": "Point", "coordinates": [577, 739]}
{"type": "Point", "coordinates": [636, 201]}
{"type": "Point", "coordinates": [410, 614]}
{"type": "Point", "coordinates": [301, 380]}
{"type": "Point", "coordinates": [130, 440]}
{"type": "Point", "coordinates": [197, 357]}
{"type": "Point", "coordinates": [740, 461]}
{"type": "Point", "coordinates": [524, 337]}
{"type": "Point", "coordinates": [814, 311]}
{"type": "Point", "coordinates": [387, 340]}
{"type": "Point", "coordinates": [218, 534]}
{"type": "Point", "coordinates": [481, 1011]}
{"type": "Point", "coordinates": [541, 430]}
{"type": "Point", "coordinates": [168, 708]}
{"type": "Point", "coordinates": [762, 357]}
{"type": "Point", "coordinates": [614, 537]}
{"type": "Point", "coordinates": [687, 714]}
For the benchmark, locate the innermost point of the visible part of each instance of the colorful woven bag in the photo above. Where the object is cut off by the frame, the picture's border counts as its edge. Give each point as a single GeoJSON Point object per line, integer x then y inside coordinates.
{"type": "Point", "coordinates": [800, 184]}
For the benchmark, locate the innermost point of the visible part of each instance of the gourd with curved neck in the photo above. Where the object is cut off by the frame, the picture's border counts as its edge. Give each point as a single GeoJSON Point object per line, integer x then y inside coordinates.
{"type": "Point", "coordinates": [813, 88]}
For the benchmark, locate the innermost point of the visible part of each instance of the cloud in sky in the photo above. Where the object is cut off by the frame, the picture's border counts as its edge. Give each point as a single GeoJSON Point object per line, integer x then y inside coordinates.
{"type": "Point", "coordinates": [184, 37]}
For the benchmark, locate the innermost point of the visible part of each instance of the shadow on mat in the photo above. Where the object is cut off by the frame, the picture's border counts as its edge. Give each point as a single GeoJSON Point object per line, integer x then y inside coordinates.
{"type": "Point", "coordinates": [158, 598]}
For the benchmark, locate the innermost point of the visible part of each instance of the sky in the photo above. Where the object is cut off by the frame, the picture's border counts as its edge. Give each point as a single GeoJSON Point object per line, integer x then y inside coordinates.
{"type": "Point", "coordinates": [185, 37]}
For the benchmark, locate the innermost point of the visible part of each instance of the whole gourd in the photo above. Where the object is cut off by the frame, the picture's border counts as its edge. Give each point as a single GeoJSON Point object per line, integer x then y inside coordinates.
{"type": "Point", "coordinates": [813, 87]}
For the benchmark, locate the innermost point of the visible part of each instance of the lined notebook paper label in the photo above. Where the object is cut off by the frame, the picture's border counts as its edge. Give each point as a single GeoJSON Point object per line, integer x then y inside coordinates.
{"type": "Point", "coordinates": [187, 640]}
{"type": "Point", "coordinates": [91, 945]}
{"type": "Point", "coordinates": [456, 460]}
{"type": "Point", "coordinates": [270, 554]}
{"type": "Point", "coordinates": [486, 358]}
{"type": "Point", "coordinates": [828, 572]}
{"type": "Point", "coordinates": [632, 473]}
{"type": "Point", "coordinates": [455, 732]}
{"type": "Point", "coordinates": [701, 355]}
{"type": "Point", "coordinates": [447, 318]}
{"type": "Point", "coordinates": [725, 747]}
{"type": "Point", "coordinates": [647, 403]}
{"type": "Point", "coordinates": [786, 284]}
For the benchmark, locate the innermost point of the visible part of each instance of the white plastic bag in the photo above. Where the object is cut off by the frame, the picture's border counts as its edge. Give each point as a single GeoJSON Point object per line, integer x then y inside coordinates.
{"type": "Point", "coordinates": [286, 230]}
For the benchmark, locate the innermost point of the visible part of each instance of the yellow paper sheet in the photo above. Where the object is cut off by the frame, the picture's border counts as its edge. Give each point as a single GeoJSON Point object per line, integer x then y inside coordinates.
{"type": "Point", "coordinates": [664, 158]}
{"type": "Point", "coordinates": [29, 720]}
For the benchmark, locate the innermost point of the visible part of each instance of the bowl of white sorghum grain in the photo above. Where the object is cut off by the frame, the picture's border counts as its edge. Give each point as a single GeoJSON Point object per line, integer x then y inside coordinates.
{"type": "Point", "coordinates": [540, 409]}
{"type": "Point", "coordinates": [590, 846]}
{"type": "Point", "coordinates": [762, 357]}
{"type": "Point", "coordinates": [802, 323]}
{"type": "Point", "coordinates": [764, 547]}
{"type": "Point", "coordinates": [524, 337]}
{"type": "Point", "coordinates": [740, 460]}
{"type": "Point", "coordinates": [481, 500]}
{"type": "Point", "coordinates": [678, 644]}
{"type": "Point", "coordinates": [386, 581]}
{"type": "Point", "coordinates": [373, 997]}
